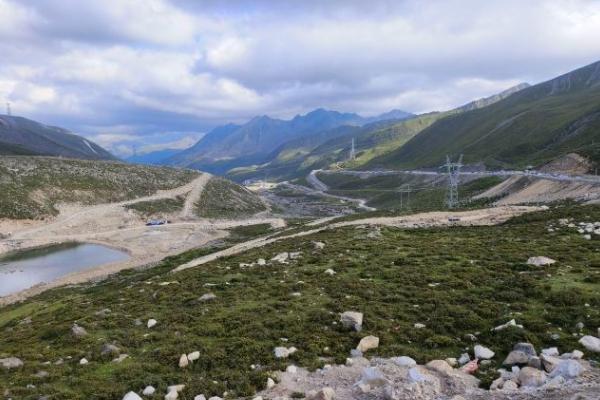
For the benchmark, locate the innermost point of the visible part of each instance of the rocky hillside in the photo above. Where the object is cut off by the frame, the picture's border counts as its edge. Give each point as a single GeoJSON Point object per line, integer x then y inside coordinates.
{"type": "Point", "coordinates": [22, 136]}
{"type": "Point", "coordinates": [532, 126]}
{"type": "Point", "coordinates": [32, 187]}
{"type": "Point", "coordinates": [231, 326]}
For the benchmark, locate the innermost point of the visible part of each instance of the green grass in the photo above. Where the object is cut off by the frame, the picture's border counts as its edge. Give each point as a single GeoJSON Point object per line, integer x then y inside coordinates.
{"type": "Point", "coordinates": [483, 282]}
{"type": "Point", "coordinates": [224, 199]}
{"type": "Point", "coordinates": [158, 207]}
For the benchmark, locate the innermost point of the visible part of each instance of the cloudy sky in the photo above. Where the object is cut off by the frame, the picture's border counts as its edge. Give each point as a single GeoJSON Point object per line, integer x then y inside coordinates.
{"type": "Point", "coordinates": [148, 74]}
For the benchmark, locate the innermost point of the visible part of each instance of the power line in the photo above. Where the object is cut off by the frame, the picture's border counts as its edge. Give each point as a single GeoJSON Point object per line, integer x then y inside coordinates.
{"type": "Point", "coordinates": [453, 169]}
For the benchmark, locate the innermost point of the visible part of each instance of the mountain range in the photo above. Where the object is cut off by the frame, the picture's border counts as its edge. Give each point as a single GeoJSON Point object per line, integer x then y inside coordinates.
{"type": "Point", "coordinates": [22, 136]}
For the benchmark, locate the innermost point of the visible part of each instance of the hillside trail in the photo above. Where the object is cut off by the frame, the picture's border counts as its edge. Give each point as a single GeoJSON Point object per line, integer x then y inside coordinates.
{"type": "Point", "coordinates": [481, 217]}
{"type": "Point", "coordinates": [194, 195]}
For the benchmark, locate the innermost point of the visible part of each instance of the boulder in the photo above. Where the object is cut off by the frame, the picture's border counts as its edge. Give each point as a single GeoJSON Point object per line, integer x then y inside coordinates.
{"type": "Point", "coordinates": [292, 369]}
{"type": "Point", "coordinates": [109, 349]}
{"type": "Point", "coordinates": [535, 362]}
{"type": "Point", "coordinates": [482, 353]}
{"type": "Point", "coordinates": [404, 361]}
{"type": "Point", "coordinates": [568, 369]}
{"type": "Point", "coordinates": [183, 361]}
{"type": "Point", "coordinates": [552, 351]}
{"type": "Point", "coordinates": [352, 320]}
{"type": "Point", "coordinates": [270, 383]}
{"type": "Point", "coordinates": [78, 331]}
{"type": "Point", "coordinates": [453, 362]}
{"type": "Point", "coordinates": [532, 377]}
{"type": "Point", "coordinates": [540, 261]}
{"type": "Point", "coordinates": [200, 397]}
{"type": "Point", "coordinates": [193, 356]}
{"type": "Point", "coordinates": [207, 297]}
{"type": "Point", "coordinates": [440, 366]}
{"type": "Point", "coordinates": [173, 395]}
{"type": "Point", "coordinates": [132, 396]}
{"type": "Point", "coordinates": [367, 343]}
{"type": "Point", "coordinates": [591, 343]}
{"type": "Point", "coordinates": [510, 386]}
{"type": "Point", "coordinates": [326, 393]}
{"type": "Point", "coordinates": [550, 362]}
{"type": "Point", "coordinates": [526, 348]}
{"type": "Point", "coordinates": [149, 390]}
{"type": "Point", "coordinates": [464, 358]}
{"type": "Point", "coordinates": [516, 357]}
{"type": "Point", "coordinates": [284, 352]}
{"type": "Point", "coordinates": [11, 362]}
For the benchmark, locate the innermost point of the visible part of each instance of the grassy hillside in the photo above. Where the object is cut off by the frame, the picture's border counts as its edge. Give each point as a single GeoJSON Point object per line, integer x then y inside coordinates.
{"type": "Point", "coordinates": [531, 126]}
{"type": "Point", "coordinates": [31, 187]}
{"type": "Point", "coordinates": [224, 199]}
{"type": "Point", "coordinates": [456, 281]}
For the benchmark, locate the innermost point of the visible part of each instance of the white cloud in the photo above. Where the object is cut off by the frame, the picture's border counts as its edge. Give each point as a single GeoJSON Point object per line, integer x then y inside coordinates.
{"type": "Point", "coordinates": [157, 68]}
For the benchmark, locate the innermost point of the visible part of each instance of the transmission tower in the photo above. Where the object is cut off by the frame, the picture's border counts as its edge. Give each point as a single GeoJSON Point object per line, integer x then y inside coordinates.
{"type": "Point", "coordinates": [453, 169]}
{"type": "Point", "coordinates": [8, 112]}
{"type": "Point", "coordinates": [352, 151]}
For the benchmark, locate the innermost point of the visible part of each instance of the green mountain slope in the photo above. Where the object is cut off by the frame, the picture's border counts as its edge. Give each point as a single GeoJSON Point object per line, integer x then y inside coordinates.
{"type": "Point", "coordinates": [531, 126]}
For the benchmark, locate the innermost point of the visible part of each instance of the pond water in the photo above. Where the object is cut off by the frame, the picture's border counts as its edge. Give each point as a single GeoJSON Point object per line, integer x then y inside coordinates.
{"type": "Point", "coordinates": [27, 268]}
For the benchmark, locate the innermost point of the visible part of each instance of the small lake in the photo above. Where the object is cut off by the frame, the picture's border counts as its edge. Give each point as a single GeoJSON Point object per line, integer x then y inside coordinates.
{"type": "Point", "coordinates": [24, 269]}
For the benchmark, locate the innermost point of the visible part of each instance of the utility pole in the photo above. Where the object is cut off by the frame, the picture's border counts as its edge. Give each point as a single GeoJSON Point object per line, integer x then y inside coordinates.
{"type": "Point", "coordinates": [453, 169]}
{"type": "Point", "coordinates": [8, 111]}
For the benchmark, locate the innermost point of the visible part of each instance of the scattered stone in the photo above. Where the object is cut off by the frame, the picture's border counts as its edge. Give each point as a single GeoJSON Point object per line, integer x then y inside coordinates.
{"type": "Point", "coordinates": [577, 354]}
{"type": "Point", "coordinates": [121, 358]}
{"type": "Point", "coordinates": [207, 297]}
{"type": "Point", "coordinates": [11, 362]}
{"type": "Point", "coordinates": [352, 319]}
{"type": "Point", "coordinates": [419, 325]}
{"type": "Point", "coordinates": [41, 374]}
{"type": "Point", "coordinates": [550, 362]}
{"type": "Point", "coordinates": [132, 396]}
{"type": "Point", "coordinates": [579, 326]}
{"type": "Point", "coordinates": [151, 322]}
{"type": "Point", "coordinates": [540, 261]}
{"type": "Point", "coordinates": [78, 331]}
{"type": "Point", "coordinates": [281, 257]}
{"type": "Point", "coordinates": [183, 361]}
{"type": "Point", "coordinates": [200, 397]}
{"type": "Point", "coordinates": [471, 337]}
{"type": "Point", "coordinates": [482, 353]}
{"type": "Point", "coordinates": [552, 351]}
{"type": "Point", "coordinates": [404, 361]}
{"type": "Point", "coordinates": [319, 245]}
{"type": "Point", "coordinates": [510, 323]}
{"type": "Point", "coordinates": [83, 361]}
{"type": "Point", "coordinates": [109, 349]}
{"type": "Point", "coordinates": [591, 343]}
{"type": "Point", "coordinates": [171, 395]}
{"type": "Point", "coordinates": [415, 375]}
{"type": "Point", "coordinates": [372, 377]}
{"type": "Point", "coordinates": [464, 358]}
{"type": "Point", "coordinates": [510, 386]}
{"type": "Point", "coordinates": [440, 366]}
{"type": "Point", "coordinates": [284, 352]}
{"type": "Point", "coordinates": [516, 357]}
{"type": "Point", "coordinates": [324, 394]}
{"type": "Point", "coordinates": [292, 369]}
{"type": "Point", "coordinates": [535, 362]}
{"type": "Point", "coordinates": [193, 356]}
{"type": "Point", "coordinates": [270, 383]}
{"type": "Point", "coordinates": [175, 388]}
{"type": "Point", "coordinates": [149, 391]}
{"type": "Point", "coordinates": [531, 377]}
{"type": "Point", "coordinates": [367, 343]}
{"type": "Point", "coordinates": [471, 367]}
{"type": "Point", "coordinates": [452, 361]}
{"type": "Point", "coordinates": [568, 369]}
{"type": "Point", "coordinates": [329, 271]}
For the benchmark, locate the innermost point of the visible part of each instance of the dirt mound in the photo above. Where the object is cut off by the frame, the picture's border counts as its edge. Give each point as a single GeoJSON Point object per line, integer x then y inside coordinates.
{"type": "Point", "coordinates": [571, 163]}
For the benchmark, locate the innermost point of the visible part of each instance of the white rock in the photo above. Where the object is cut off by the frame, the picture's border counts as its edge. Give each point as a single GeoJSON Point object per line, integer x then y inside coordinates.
{"type": "Point", "coordinates": [292, 369]}
{"type": "Point", "coordinates": [577, 354]}
{"type": "Point", "coordinates": [176, 388]}
{"type": "Point", "coordinates": [257, 398]}
{"type": "Point", "coordinates": [510, 386]}
{"type": "Point", "coordinates": [149, 390]}
{"type": "Point", "coordinates": [78, 331]}
{"type": "Point", "coordinates": [200, 397]}
{"type": "Point", "coordinates": [372, 377]}
{"type": "Point", "coordinates": [281, 257]}
{"type": "Point", "coordinates": [173, 395]}
{"type": "Point", "coordinates": [121, 358]}
{"type": "Point", "coordinates": [193, 356]}
{"type": "Point", "coordinates": [352, 319]}
{"type": "Point", "coordinates": [323, 394]}
{"type": "Point", "coordinates": [368, 343]}
{"type": "Point", "coordinates": [329, 271]}
{"type": "Point", "coordinates": [270, 383]}
{"type": "Point", "coordinates": [404, 361]}
{"type": "Point", "coordinates": [83, 361]}
{"type": "Point", "coordinates": [568, 369]}
{"type": "Point", "coordinates": [151, 322]}
{"type": "Point", "coordinates": [540, 261]}
{"type": "Point", "coordinates": [482, 353]}
{"type": "Point", "coordinates": [319, 245]}
{"type": "Point", "coordinates": [11, 362]}
{"type": "Point", "coordinates": [464, 358]}
{"type": "Point", "coordinates": [284, 352]}
{"type": "Point", "coordinates": [215, 398]}
{"type": "Point", "coordinates": [551, 351]}
{"type": "Point", "coordinates": [132, 396]}
{"type": "Point", "coordinates": [415, 375]}
{"type": "Point", "coordinates": [510, 323]}
{"type": "Point", "coordinates": [419, 325]}
{"type": "Point", "coordinates": [261, 261]}
{"type": "Point", "coordinates": [207, 297]}
{"type": "Point", "coordinates": [532, 377]}
{"type": "Point", "coordinates": [591, 343]}
{"type": "Point", "coordinates": [183, 361]}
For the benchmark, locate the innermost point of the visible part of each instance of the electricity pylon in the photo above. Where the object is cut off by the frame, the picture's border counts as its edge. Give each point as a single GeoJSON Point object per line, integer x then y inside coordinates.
{"type": "Point", "coordinates": [453, 170]}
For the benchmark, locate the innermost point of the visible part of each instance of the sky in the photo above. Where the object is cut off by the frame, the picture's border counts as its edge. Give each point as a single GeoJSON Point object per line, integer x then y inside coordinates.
{"type": "Point", "coordinates": [142, 75]}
